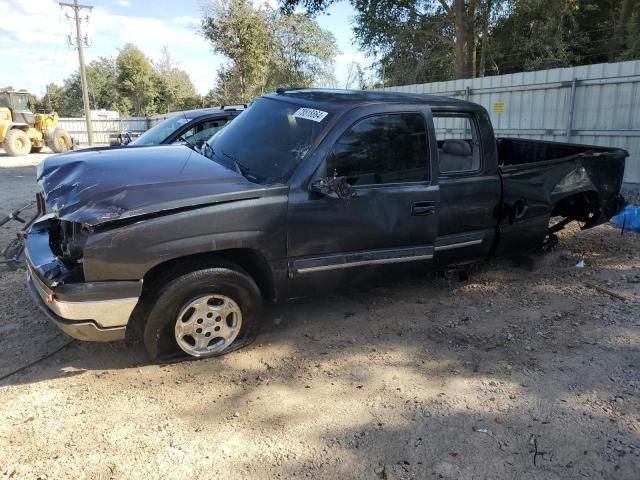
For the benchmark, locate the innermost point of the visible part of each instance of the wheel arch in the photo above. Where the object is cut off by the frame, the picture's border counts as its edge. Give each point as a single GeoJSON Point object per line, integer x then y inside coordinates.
{"type": "Point", "coordinates": [251, 261]}
{"type": "Point", "coordinates": [581, 206]}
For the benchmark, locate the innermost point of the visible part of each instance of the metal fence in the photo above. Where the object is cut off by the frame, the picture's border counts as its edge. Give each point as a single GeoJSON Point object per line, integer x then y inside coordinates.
{"type": "Point", "coordinates": [77, 128]}
{"type": "Point", "coordinates": [592, 104]}
{"type": "Point", "coordinates": [102, 128]}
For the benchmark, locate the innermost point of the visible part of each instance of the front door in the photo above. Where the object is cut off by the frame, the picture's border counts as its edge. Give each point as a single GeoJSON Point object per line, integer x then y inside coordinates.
{"type": "Point", "coordinates": [392, 219]}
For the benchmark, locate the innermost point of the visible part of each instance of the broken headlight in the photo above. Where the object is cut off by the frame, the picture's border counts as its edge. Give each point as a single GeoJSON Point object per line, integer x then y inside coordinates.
{"type": "Point", "coordinates": [67, 240]}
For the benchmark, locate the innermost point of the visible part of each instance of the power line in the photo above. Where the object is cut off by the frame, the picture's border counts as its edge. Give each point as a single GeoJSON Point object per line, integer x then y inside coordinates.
{"type": "Point", "coordinates": [80, 43]}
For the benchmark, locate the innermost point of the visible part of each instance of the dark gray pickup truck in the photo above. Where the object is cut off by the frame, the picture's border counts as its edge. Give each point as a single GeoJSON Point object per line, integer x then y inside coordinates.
{"type": "Point", "coordinates": [305, 189]}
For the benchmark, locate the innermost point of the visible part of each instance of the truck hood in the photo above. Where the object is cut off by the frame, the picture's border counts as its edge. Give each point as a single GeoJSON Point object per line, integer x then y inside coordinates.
{"type": "Point", "coordinates": [100, 186]}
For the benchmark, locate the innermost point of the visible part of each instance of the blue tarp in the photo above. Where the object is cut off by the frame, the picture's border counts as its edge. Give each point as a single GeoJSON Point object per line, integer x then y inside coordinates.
{"type": "Point", "coordinates": [629, 218]}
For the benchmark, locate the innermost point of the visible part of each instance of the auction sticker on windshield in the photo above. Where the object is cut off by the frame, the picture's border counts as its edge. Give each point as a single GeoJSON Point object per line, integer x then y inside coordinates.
{"type": "Point", "coordinates": [310, 114]}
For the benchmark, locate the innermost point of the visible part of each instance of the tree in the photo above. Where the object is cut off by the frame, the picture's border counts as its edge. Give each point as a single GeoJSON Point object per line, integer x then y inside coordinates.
{"type": "Point", "coordinates": [625, 39]}
{"type": "Point", "coordinates": [429, 40]}
{"type": "Point", "coordinates": [414, 41]}
{"type": "Point", "coordinates": [240, 32]}
{"type": "Point", "coordinates": [175, 91]}
{"type": "Point", "coordinates": [632, 50]}
{"type": "Point", "coordinates": [266, 49]}
{"type": "Point", "coordinates": [53, 99]}
{"type": "Point", "coordinates": [304, 53]}
{"type": "Point", "coordinates": [102, 80]}
{"type": "Point", "coordinates": [136, 84]}
{"type": "Point", "coordinates": [452, 24]}
{"type": "Point", "coordinates": [103, 91]}
{"type": "Point", "coordinates": [227, 90]}
{"type": "Point", "coordinates": [355, 76]}
{"type": "Point", "coordinates": [537, 34]}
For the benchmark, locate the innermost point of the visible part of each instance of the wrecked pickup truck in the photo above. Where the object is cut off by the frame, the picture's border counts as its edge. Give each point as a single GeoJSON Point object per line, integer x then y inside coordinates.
{"type": "Point", "coordinates": [305, 189]}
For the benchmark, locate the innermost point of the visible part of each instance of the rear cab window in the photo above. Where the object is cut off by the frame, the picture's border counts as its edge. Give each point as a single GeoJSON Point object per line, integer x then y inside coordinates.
{"type": "Point", "coordinates": [458, 142]}
{"type": "Point", "coordinates": [382, 149]}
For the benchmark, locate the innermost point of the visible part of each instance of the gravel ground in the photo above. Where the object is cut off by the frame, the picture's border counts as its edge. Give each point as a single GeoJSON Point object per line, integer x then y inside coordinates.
{"type": "Point", "coordinates": [517, 372]}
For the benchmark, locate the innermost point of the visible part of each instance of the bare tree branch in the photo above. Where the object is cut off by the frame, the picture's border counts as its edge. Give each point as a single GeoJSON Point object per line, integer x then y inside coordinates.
{"type": "Point", "coordinates": [446, 7]}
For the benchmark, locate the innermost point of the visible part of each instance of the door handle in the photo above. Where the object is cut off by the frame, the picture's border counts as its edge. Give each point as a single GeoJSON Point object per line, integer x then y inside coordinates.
{"type": "Point", "coordinates": [423, 208]}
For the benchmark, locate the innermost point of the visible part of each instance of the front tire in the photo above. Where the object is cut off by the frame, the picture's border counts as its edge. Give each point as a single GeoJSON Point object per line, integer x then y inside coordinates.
{"type": "Point", "coordinates": [60, 141]}
{"type": "Point", "coordinates": [16, 143]}
{"type": "Point", "coordinates": [203, 314]}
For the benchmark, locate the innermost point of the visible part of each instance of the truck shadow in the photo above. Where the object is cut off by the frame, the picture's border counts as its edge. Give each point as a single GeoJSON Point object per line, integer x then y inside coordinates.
{"type": "Point", "coordinates": [480, 322]}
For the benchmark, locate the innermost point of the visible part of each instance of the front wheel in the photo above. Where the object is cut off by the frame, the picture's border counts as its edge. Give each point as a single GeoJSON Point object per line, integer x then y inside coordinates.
{"type": "Point", "coordinates": [60, 141]}
{"type": "Point", "coordinates": [203, 314]}
{"type": "Point", "coordinates": [16, 143]}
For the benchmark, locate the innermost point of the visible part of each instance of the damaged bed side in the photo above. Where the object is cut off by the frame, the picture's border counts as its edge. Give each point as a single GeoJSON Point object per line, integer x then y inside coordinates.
{"type": "Point", "coordinates": [542, 180]}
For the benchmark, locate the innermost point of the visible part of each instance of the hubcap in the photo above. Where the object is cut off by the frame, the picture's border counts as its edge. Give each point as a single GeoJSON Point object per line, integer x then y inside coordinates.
{"type": "Point", "coordinates": [207, 325]}
{"type": "Point", "coordinates": [19, 143]}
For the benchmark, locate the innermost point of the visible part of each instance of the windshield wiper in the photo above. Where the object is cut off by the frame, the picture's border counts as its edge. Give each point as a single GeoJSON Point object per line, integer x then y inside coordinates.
{"type": "Point", "coordinates": [240, 168]}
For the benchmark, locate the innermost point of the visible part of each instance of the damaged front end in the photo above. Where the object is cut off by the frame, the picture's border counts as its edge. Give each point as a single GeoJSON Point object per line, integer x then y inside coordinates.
{"type": "Point", "coordinates": [97, 311]}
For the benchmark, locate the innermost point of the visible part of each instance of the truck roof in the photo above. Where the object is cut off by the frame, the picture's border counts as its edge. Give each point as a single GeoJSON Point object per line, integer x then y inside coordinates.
{"type": "Point", "coordinates": [336, 100]}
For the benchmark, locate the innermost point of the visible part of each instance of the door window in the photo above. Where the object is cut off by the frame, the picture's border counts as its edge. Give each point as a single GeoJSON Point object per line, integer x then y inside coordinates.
{"type": "Point", "coordinates": [390, 148]}
{"type": "Point", "coordinates": [458, 144]}
{"type": "Point", "coordinates": [201, 132]}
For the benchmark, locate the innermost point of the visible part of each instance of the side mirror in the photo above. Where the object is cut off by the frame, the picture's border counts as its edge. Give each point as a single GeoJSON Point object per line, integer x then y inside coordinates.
{"type": "Point", "coordinates": [336, 187]}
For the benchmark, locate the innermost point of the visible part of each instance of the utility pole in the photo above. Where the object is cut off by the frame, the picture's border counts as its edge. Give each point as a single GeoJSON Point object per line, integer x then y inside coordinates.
{"type": "Point", "coordinates": [77, 8]}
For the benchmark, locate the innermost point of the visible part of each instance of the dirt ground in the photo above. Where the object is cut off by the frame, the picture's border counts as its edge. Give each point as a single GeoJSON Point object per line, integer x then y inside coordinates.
{"type": "Point", "coordinates": [518, 372]}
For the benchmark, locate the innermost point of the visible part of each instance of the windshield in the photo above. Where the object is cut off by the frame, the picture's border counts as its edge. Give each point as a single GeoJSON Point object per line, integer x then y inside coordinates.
{"type": "Point", "coordinates": [21, 103]}
{"type": "Point", "coordinates": [157, 134]}
{"type": "Point", "coordinates": [269, 140]}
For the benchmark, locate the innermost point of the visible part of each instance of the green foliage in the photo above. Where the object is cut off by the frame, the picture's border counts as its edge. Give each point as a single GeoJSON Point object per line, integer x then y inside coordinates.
{"type": "Point", "coordinates": [304, 53]}
{"type": "Point", "coordinates": [632, 38]}
{"type": "Point", "coordinates": [241, 33]}
{"type": "Point", "coordinates": [101, 80]}
{"type": "Point", "coordinates": [539, 35]}
{"type": "Point", "coordinates": [136, 82]}
{"type": "Point", "coordinates": [174, 88]}
{"type": "Point", "coordinates": [129, 83]}
{"type": "Point", "coordinates": [419, 41]}
{"type": "Point", "coordinates": [53, 100]}
{"type": "Point", "coordinates": [415, 40]}
{"type": "Point", "coordinates": [266, 49]}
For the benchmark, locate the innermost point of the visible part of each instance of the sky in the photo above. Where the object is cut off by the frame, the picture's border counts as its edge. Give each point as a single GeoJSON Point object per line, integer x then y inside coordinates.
{"type": "Point", "coordinates": [34, 49]}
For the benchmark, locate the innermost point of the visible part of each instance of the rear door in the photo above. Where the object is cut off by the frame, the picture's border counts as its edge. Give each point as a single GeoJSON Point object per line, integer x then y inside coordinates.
{"type": "Point", "coordinates": [393, 217]}
{"type": "Point", "coordinates": [470, 188]}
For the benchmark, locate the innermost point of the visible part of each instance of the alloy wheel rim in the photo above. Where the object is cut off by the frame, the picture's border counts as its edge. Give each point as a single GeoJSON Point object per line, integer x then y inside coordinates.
{"type": "Point", "coordinates": [207, 325]}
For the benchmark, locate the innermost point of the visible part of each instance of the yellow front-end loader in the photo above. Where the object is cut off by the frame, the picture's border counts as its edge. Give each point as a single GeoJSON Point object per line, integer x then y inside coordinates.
{"type": "Point", "coordinates": [22, 131]}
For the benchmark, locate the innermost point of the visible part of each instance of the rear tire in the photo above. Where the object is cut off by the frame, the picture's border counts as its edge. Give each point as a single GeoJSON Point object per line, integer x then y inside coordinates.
{"type": "Point", "coordinates": [203, 314]}
{"type": "Point", "coordinates": [60, 141]}
{"type": "Point", "coordinates": [16, 143]}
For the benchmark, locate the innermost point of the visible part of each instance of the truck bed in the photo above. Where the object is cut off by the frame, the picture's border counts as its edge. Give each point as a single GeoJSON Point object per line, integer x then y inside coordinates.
{"type": "Point", "coordinates": [519, 151]}
{"type": "Point", "coordinates": [541, 180]}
